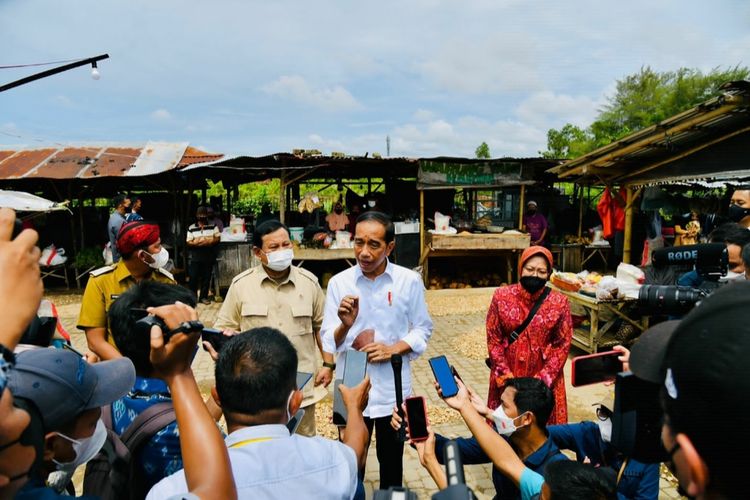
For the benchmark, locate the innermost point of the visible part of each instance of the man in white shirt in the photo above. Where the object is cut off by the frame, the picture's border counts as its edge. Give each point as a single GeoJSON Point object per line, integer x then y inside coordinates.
{"type": "Point", "coordinates": [256, 390]}
{"type": "Point", "coordinates": [385, 303]}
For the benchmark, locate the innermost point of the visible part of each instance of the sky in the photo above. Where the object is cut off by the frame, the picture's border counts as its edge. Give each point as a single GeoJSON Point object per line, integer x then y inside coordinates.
{"type": "Point", "coordinates": [245, 77]}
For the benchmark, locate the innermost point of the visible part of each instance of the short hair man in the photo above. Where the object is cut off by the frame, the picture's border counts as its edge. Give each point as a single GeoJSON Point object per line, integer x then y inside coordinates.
{"type": "Point", "coordinates": [203, 239]}
{"type": "Point", "coordinates": [736, 237]}
{"type": "Point", "coordinates": [278, 294]}
{"type": "Point", "coordinates": [256, 389]}
{"type": "Point", "coordinates": [161, 456]}
{"type": "Point", "coordinates": [746, 260]}
{"type": "Point", "coordinates": [135, 210]}
{"type": "Point", "coordinates": [385, 304]}
{"type": "Point", "coordinates": [526, 402]}
{"type": "Point", "coordinates": [739, 206]}
{"type": "Point", "coordinates": [143, 258]}
{"type": "Point", "coordinates": [120, 204]}
{"type": "Point", "coordinates": [68, 393]}
{"type": "Point", "coordinates": [701, 363]}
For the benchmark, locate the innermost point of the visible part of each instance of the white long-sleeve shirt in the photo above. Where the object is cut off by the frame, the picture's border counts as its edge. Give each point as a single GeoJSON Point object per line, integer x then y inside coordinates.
{"type": "Point", "coordinates": [393, 305]}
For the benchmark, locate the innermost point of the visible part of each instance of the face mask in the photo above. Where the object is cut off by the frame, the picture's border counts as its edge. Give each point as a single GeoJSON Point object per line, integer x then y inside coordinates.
{"type": "Point", "coordinates": [338, 210]}
{"type": "Point", "coordinates": [532, 284]}
{"type": "Point", "coordinates": [605, 429]}
{"type": "Point", "coordinates": [731, 276]}
{"type": "Point", "coordinates": [280, 260]}
{"type": "Point", "coordinates": [160, 259]}
{"type": "Point", "coordinates": [371, 203]}
{"type": "Point", "coordinates": [505, 424]}
{"type": "Point", "coordinates": [736, 213]}
{"type": "Point", "coordinates": [531, 211]}
{"type": "Point", "coordinates": [85, 448]}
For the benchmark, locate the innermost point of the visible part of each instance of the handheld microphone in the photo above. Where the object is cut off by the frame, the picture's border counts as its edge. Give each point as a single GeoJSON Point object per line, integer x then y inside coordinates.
{"type": "Point", "coordinates": [396, 363]}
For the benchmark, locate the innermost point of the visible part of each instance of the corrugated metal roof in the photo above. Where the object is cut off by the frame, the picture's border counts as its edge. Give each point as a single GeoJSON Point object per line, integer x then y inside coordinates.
{"type": "Point", "coordinates": [87, 162]}
{"type": "Point", "coordinates": [674, 149]}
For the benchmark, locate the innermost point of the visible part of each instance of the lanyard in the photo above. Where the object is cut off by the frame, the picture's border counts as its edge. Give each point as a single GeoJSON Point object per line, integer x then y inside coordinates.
{"type": "Point", "coordinates": [250, 441]}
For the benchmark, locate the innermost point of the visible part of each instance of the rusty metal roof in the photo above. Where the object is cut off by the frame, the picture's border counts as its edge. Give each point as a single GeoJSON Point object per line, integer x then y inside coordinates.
{"type": "Point", "coordinates": [88, 162]}
{"type": "Point", "coordinates": [707, 142]}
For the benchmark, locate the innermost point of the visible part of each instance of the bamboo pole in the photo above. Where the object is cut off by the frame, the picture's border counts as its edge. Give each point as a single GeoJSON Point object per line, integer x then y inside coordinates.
{"type": "Point", "coordinates": [580, 211]}
{"type": "Point", "coordinates": [422, 235]}
{"type": "Point", "coordinates": [521, 208]}
{"type": "Point", "coordinates": [628, 224]}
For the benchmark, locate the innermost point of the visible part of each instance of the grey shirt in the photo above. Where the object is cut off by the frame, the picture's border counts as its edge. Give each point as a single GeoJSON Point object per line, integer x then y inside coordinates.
{"type": "Point", "coordinates": [113, 227]}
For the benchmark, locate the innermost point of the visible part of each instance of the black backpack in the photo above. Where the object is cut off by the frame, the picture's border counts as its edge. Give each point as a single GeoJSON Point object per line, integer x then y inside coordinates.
{"type": "Point", "coordinates": [113, 474]}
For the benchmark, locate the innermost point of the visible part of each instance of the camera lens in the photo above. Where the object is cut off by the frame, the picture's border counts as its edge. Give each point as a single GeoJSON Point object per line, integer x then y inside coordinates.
{"type": "Point", "coordinates": [668, 299]}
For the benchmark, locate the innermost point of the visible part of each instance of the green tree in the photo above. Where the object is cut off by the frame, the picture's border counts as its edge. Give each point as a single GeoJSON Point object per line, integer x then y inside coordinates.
{"type": "Point", "coordinates": [483, 151]}
{"type": "Point", "coordinates": [641, 100]}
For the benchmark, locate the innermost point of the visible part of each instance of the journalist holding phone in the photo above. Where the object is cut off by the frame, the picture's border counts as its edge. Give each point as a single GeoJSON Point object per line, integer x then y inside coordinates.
{"type": "Point", "coordinates": [385, 304]}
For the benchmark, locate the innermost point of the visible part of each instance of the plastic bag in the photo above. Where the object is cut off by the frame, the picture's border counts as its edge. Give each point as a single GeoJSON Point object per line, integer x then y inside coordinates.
{"type": "Point", "coordinates": [628, 273]}
{"type": "Point", "coordinates": [607, 288]}
{"type": "Point", "coordinates": [52, 256]}
{"type": "Point", "coordinates": [107, 254]}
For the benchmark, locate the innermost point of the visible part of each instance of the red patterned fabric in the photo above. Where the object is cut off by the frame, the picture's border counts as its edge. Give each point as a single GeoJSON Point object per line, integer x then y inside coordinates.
{"type": "Point", "coordinates": [540, 351]}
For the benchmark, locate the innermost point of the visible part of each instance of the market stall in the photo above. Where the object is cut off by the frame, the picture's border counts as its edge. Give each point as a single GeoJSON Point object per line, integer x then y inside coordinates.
{"type": "Point", "coordinates": [492, 201]}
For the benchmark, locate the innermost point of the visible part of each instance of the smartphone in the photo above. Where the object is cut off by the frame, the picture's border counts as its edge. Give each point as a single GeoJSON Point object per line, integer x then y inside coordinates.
{"type": "Point", "coordinates": [302, 379]}
{"type": "Point", "coordinates": [17, 228]}
{"type": "Point", "coordinates": [293, 424]}
{"type": "Point", "coordinates": [215, 337]}
{"type": "Point", "coordinates": [594, 368]}
{"type": "Point", "coordinates": [416, 418]}
{"type": "Point", "coordinates": [444, 376]}
{"type": "Point", "coordinates": [355, 369]}
{"type": "Point", "coordinates": [637, 419]}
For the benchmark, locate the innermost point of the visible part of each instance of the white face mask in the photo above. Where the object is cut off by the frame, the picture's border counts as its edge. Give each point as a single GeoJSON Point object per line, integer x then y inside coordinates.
{"type": "Point", "coordinates": [605, 429]}
{"type": "Point", "coordinates": [280, 259]}
{"type": "Point", "coordinates": [85, 448]}
{"type": "Point", "coordinates": [731, 276]}
{"type": "Point", "coordinates": [160, 259]}
{"type": "Point", "coordinates": [505, 424]}
{"type": "Point", "coordinates": [371, 203]}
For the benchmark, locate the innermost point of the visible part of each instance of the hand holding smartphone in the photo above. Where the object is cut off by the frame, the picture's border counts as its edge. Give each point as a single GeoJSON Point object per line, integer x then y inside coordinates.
{"type": "Point", "coordinates": [444, 376]}
{"type": "Point", "coordinates": [416, 418]}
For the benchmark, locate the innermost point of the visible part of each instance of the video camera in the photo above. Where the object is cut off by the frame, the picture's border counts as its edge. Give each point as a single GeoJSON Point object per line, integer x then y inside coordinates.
{"type": "Point", "coordinates": [454, 471]}
{"type": "Point", "coordinates": [710, 261]}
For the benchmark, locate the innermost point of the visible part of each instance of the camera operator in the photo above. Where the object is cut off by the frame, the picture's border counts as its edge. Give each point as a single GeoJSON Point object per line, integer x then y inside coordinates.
{"type": "Point", "coordinates": [735, 237]}
{"type": "Point", "coordinates": [702, 365]}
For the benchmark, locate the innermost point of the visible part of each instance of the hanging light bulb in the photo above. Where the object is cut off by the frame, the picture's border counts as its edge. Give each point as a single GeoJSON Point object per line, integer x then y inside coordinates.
{"type": "Point", "coordinates": [94, 71]}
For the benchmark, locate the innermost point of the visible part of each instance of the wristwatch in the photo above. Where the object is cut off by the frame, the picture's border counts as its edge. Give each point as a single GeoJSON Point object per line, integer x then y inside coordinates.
{"type": "Point", "coordinates": [332, 366]}
{"type": "Point", "coordinates": [188, 327]}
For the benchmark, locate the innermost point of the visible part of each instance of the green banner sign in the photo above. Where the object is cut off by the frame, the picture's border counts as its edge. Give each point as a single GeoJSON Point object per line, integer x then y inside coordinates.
{"type": "Point", "coordinates": [437, 174]}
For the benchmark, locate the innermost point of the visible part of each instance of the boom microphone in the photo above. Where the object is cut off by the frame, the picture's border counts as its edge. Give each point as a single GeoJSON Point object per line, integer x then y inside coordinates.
{"type": "Point", "coordinates": [396, 363]}
{"type": "Point", "coordinates": [710, 259]}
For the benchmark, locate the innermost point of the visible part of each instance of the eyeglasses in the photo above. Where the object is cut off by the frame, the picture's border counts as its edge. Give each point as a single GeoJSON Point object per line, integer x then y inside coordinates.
{"type": "Point", "coordinates": [603, 414]}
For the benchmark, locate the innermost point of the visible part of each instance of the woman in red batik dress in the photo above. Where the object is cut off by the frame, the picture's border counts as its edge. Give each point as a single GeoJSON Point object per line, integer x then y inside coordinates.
{"type": "Point", "coordinates": [539, 351]}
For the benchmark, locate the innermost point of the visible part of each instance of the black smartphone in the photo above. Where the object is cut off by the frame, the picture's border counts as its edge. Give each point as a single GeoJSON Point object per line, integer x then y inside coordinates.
{"type": "Point", "coordinates": [594, 368]}
{"type": "Point", "coordinates": [637, 419]}
{"type": "Point", "coordinates": [355, 369]}
{"type": "Point", "coordinates": [416, 418]}
{"type": "Point", "coordinates": [215, 337]}
{"type": "Point", "coordinates": [293, 424]}
{"type": "Point", "coordinates": [444, 376]}
{"type": "Point", "coordinates": [302, 379]}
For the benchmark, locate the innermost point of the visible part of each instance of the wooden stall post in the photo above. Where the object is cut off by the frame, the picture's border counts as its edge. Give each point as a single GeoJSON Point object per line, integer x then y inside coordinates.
{"type": "Point", "coordinates": [282, 199]}
{"type": "Point", "coordinates": [580, 212]}
{"type": "Point", "coordinates": [628, 224]}
{"type": "Point", "coordinates": [521, 208]}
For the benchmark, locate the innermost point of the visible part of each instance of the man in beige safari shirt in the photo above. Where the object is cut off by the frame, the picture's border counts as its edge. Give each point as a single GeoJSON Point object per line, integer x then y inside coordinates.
{"type": "Point", "coordinates": [289, 298]}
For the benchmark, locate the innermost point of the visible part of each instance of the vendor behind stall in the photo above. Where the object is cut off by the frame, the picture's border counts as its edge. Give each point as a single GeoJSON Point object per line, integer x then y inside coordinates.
{"type": "Point", "coordinates": [337, 220]}
{"type": "Point", "coordinates": [535, 224]}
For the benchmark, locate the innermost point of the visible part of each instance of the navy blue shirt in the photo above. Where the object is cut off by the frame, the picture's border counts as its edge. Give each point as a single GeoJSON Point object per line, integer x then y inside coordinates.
{"type": "Point", "coordinates": [35, 489]}
{"type": "Point", "coordinates": [472, 453]}
{"type": "Point", "coordinates": [639, 481]}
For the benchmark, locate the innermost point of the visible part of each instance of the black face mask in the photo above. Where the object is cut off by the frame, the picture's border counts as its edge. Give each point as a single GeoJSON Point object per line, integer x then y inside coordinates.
{"type": "Point", "coordinates": [532, 284]}
{"type": "Point", "coordinates": [531, 211]}
{"type": "Point", "coordinates": [338, 210]}
{"type": "Point", "coordinates": [736, 213]}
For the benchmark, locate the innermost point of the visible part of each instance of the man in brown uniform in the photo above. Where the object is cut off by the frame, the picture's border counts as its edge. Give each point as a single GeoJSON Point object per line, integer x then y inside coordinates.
{"type": "Point", "coordinates": [143, 257]}
{"type": "Point", "coordinates": [279, 295]}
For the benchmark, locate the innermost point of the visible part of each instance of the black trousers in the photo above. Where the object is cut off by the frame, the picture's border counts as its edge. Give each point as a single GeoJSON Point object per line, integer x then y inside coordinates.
{"type": "Point", "coordinates": [390, 451]}
{"type": "Point", "coordinates": [200, 275]}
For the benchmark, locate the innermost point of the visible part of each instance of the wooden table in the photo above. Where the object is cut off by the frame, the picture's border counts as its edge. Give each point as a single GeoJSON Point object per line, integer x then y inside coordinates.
{"type": "Point", "coordinates": [591, 251]}
{"type": "Point", "coordinates": [590, 338]}
{"type": "Point", "coordinates": [303, 254]}
{"type": "Point", "coordinates": [473, 244]}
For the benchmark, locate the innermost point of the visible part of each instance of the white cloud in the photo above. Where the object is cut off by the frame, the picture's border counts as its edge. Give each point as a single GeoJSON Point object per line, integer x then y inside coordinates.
{"type": "Point", "coordinates": [161, 114]}
{"type": "Point", "coordinates": [549, 110]}
{"type": "Point", "coordinates": [296, 88]}
{"type": "Point", "coordinates": [64, 101]}
{"type": "Point", "coordinates": [423, 115]}
{"type": "Point", "coordinates": [502, 62]}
